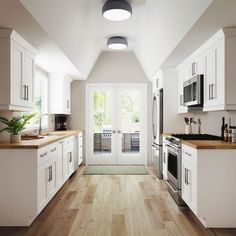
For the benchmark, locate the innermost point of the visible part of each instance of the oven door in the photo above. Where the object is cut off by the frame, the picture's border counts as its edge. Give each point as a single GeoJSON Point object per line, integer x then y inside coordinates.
{"type": "Point", "coordinates": [174, 166]}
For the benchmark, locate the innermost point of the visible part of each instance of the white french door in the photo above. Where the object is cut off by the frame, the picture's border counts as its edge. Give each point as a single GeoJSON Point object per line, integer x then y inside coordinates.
{"type": "Point", "coordinates": [116, 124]}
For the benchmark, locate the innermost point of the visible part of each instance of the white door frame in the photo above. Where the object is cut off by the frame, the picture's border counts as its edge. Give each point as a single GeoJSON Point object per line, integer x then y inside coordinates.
{"type": "Point", "coordinates": [111, 85]}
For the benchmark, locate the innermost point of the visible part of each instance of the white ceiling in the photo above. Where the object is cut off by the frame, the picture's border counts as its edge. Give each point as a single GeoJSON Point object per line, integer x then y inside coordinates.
{"type": "Point", "coordinates": [80, 31]}
{"type": "Point", "coordinates": [14, 15]}
{"type": "Point", "coordinates": [221, 13]}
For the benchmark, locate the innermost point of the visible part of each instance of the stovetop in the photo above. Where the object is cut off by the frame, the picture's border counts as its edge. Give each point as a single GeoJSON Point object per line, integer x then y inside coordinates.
{"type": "Point", "coordinates": [196, 136]}
{"type": "Point", "coordinates": [175, 139]}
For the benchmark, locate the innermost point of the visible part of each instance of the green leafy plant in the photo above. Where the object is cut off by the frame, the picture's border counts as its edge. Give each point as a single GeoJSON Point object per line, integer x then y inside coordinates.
{"type": "Point", "coordinates": [16, 124]}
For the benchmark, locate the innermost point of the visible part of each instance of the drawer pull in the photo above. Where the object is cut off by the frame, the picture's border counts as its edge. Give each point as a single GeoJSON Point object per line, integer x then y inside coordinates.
{"type": "Point", "coordinates": [54, 149]}
{"type": "Point", "coordinates": [44, 154]}
{"type": "Point", "coordinates": [188, 154]}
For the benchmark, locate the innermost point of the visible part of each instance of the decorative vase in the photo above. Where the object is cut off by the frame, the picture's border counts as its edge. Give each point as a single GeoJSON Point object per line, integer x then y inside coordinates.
{"type": "Point", "coordinates": [15, 138]}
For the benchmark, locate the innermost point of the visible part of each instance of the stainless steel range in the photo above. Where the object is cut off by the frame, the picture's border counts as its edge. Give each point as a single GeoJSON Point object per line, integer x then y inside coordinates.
{"type": "Point", "coordinates": [174, 161]}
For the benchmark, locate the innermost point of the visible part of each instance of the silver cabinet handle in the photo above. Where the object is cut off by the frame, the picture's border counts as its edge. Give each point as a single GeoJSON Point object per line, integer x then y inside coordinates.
{"type": "Point", "coordinates": [44, 154]}
{"type": "Point", "coordinates": [70, 159]}
{"type": "Point", "coordinates": [113, 131]}
{"type": "Point", "coordinates": [186, 178]}
{"type": "Point", "coordinates": [24, 92]}
{"type": "Point", "coordinates": [118, 131]}
{"type": "Point", "coordinates": [49, 173]}
{"type": "Point", "coordinates": [54, 149]}
{"type": "Point", "coordinates": [27, 93]}
{"type": "Point", "coordinates": [188, 154]}
{"type": "Point", "coordinates": [212, 91]}
{"type": "Point", "coordinates": [209, 95]}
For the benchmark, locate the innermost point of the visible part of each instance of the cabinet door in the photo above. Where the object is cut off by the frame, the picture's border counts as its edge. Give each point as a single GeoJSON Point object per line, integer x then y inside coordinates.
{"type": "Point", "coordinates": [66, 97]}
{"type": "Point", "coordinates": [59, 167]}
{"type": "Point", "coordinates": [199, 66]}
{"type": "Point", "coordinates": [186, 173]}
{"type": "Point", "coordinates": [208, 67]}
{"type": "Point", "coordinates": [42, 186]}
{"type": "Point", "coordinates": [51, 179]}
{"type": "Point", "coordinates": [28, 79]}
{"type": "Point", "coordinates": [189, 185]}
{"type": "Point", "coordinates": [18, 91]}
{"type": "Point", "coordinates": [218, 74]}
{"type": "Point", "coordinates": [70, 162]}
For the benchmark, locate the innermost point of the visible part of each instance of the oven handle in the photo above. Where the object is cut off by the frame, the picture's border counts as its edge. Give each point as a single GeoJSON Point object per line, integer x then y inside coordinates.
{"type": "Point", "coordinates": [155, 147]}
{"type": "Point", "coordinates": [172, 189]}
{"type": "Point", "coordinates": [174, 149]}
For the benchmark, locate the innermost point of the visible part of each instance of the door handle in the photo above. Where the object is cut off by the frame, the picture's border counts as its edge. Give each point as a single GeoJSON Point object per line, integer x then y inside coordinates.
{"type": "Point", "coordinates": [113, 131]}
{"type": "Point", "coordinates": [119, 131]}
{"type": "Point", "coordinates": [27, 93]}
{"type": "Point", "coordinates": [212, 91]}
{"type": "Point", "coordinates": [209, 95]}
{"type": "Point", "coordinates": [24, 92]}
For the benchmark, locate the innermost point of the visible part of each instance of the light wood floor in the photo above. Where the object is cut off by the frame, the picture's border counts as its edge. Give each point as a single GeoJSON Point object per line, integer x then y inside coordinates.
{"type": "Point", "coordinates": [130, 205]}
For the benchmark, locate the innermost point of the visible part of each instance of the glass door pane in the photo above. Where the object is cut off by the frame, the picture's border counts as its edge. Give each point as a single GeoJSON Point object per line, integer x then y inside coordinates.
{"type": "Point", "coordinates": [101, 130]}
{"type": "Point", "coordinates": [102, 117]}
{"type": "Point", "coordinates": [130, 121]}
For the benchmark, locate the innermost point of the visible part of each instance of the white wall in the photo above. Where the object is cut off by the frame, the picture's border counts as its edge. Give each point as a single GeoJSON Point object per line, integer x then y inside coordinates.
{"type": "Point", "coordinates": [111, 67]}
{"type": "Point", "coordinates": [211, 121]}
{"type": "Point", "coordinates": [172, 121]}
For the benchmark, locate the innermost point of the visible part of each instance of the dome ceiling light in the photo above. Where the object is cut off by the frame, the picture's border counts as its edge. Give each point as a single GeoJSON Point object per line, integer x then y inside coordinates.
{"type": "Point", "coordinates": [117, 43]}
{"type": "Point", "coordinates": [117, 10]}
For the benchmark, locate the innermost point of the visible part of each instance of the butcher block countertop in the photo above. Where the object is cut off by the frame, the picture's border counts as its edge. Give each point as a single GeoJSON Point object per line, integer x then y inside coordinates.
{"type": "Point", "coordinates": [48, 138]}
{"type": "Point", "coordinates": [209, 144]}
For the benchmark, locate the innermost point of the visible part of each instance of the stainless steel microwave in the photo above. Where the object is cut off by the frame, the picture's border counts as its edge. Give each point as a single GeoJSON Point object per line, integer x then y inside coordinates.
{"type": "Point", "coordinates": [193, 91]}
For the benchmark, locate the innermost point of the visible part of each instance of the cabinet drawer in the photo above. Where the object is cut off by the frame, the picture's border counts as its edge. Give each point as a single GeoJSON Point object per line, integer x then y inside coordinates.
{"type": "Point", "coordinates": [45, 153]}
{"type": "Point", "coordinates": [189, 154]}
{"type": "Point", "coordinates": [69, 144]}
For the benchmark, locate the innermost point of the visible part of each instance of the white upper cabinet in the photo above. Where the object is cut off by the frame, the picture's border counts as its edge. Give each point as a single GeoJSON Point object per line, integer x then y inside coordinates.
{"type": "Point", "coordinates": [215, 59]}
{"type": "Point", "coordinates": [59, 94]}
{"type": "Point", "coordinates": [215, 77]}
{"type": "Point", "coordinates": [17, 68]}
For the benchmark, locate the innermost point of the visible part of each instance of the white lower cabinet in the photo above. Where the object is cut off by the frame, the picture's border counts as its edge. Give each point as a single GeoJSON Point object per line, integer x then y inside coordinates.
{"type": "Point", "coordinates": [33, 177]}
{"type": "Point", "coordinates": [207, 179]}
{"type": "Point", "coordinates": [68, 157]}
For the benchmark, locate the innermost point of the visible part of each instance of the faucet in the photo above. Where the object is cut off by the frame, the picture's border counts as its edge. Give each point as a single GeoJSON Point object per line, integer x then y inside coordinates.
{"type": "Point", "coordinates": [40, 121]}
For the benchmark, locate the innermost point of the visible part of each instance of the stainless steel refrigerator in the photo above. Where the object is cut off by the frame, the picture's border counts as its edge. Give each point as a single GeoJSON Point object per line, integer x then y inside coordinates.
{"type": "Point", "coordinates": [157, 130]}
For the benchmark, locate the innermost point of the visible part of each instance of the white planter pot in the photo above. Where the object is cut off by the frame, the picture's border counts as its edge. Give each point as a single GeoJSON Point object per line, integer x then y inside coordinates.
{"type": "Point", "coordinates": [15, 138]}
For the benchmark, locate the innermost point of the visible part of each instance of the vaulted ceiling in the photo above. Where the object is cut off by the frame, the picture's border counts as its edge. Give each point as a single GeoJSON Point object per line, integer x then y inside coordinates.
{"type": "Point", "coordinates": [80, 31]}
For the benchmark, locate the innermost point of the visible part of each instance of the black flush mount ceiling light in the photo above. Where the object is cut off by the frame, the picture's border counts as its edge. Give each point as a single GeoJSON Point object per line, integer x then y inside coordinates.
{"type": "Point", "coordinates": [117, 10]}
{"type": "Point", "coordinates": [117, 43]}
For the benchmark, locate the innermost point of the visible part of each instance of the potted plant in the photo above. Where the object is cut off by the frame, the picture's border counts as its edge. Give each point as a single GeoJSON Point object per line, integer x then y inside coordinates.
{"type": "Point", "coordinates": [15, 125]}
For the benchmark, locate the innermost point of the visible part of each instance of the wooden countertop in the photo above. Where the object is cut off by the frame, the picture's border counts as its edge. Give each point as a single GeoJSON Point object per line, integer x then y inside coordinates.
{"type": "Point", "coordinates": [206, 144]}
{"type": "Point", "coordinates": [52, 137]}
{"type": "Point", "coordinates": [209, 144]}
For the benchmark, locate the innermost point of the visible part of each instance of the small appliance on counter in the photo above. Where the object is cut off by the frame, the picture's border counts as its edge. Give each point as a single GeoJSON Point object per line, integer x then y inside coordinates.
{"type": "Point", "coordinates": [60, 122]}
